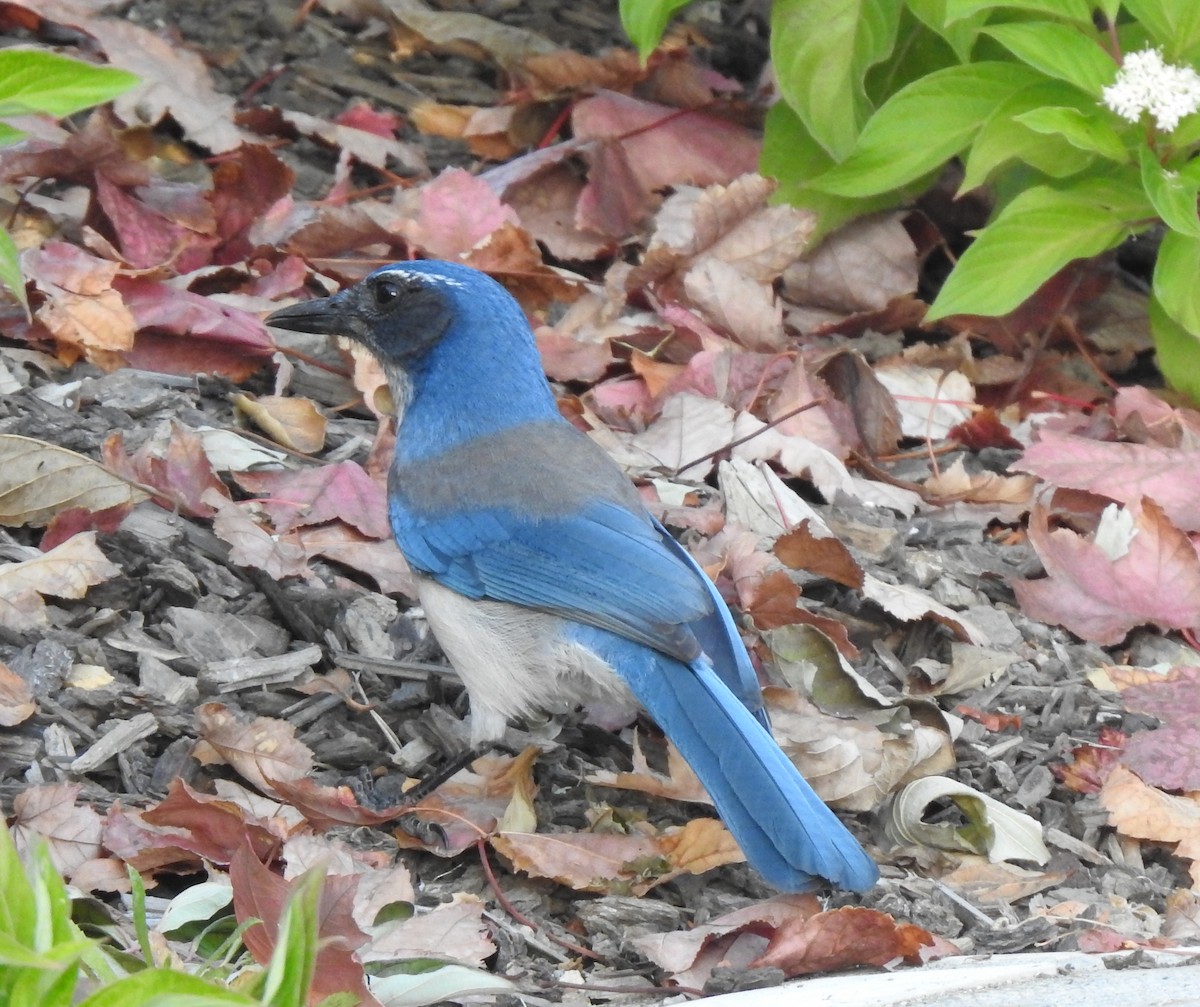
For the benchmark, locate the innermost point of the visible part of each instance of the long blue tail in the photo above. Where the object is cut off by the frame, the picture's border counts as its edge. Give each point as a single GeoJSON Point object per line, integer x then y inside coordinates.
{"type": "Point", "coordinates": [784, 829]}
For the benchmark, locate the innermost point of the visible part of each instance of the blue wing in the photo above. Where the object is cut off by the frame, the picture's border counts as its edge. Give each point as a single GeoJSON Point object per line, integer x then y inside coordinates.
{"type": "Point", "coordinates": [604, 565]}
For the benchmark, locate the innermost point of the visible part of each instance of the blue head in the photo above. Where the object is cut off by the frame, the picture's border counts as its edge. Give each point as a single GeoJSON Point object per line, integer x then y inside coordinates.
{"type": "Point", "coordinates": [455, 346]}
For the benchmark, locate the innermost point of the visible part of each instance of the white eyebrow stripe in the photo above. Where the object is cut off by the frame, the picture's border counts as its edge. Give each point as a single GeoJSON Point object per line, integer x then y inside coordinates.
{"type": "Point", "coordinates": [410, 274]}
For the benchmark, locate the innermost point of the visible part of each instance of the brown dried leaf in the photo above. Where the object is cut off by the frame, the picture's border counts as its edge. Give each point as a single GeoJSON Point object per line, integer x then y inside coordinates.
{"type": "Point", "coordinates": [260, 895]}
{"type": "Point", "coordinates": [66, 571]}
{"type": "Point", "coordinates": [823, 555]}
{"type": "Point", "coordinates": [16, 698]}
{"type": "Point", "coordinates": [1144, 812]}
{"type": "Point", "coordinates": [679, 783]}
{"type": "Point", "coordinates": [72, 833]}
{"type": "Point", "coordinates": [261, 750]}
{"type": "Point", "coordinates": [843, 938]}
{"type": "Point", "coordinates": [955, 483]}
{"type": "Point", "coordinates": [294, 422]}
{"type": "Point", "coordinates": [42, 479]}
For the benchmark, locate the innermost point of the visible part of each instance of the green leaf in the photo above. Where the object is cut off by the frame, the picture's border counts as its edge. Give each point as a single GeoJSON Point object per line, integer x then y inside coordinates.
{"type": "Point", "coordinates": [821, 50]}
{"type": "Point", "coordinates": [34, 81]}
{"type": "Point", "coordinates": [1173, 24]}
{"type": "Point", "coordinates": [289, 974]}
{"type": "Point", "coordinates": [1035, 236]}
{"type": "Point", "coordinates": [1059, 51]}
{"type": "Point", "coordinates": [1172, 194]}
{"type": "Point", "coordinates": [1076, 11]}
{"type": "Point", "coordinates": [1177, 351]}
{"type": "Point", "coordinates": [1004, 138]}
{"type": "Point", "coordinates": [445, 982]}
{"type": "Point", "coordinates": [1084, 130]}
{"type": "Point", "coordinates": [923, 126]}
{"type": "Point", "coordinates": [1175, 275]}
{"type": "Point", "coordinates": [17, 919]}
{"type": "Point", "coordinates": [792, 157]}
{"type": "Point", "coordinates": [645, 21]}
{"type": "Point", "coordinates": [195, 904]}
{"type": "Point", "coordinates": [165, 988]}
{"type": "Point", "coordinates": [960, 34]}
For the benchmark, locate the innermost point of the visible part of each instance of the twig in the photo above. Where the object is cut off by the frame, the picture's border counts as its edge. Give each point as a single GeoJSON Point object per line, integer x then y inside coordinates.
{"type": "Point", "coordinates": [519, 916]}
{"type": "Point", "coordinates": [750, 436]}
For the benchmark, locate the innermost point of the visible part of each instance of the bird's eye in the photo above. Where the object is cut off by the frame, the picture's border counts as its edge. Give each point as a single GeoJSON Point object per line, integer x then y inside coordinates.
{"type": "Point", "coordinates": [386, 292]}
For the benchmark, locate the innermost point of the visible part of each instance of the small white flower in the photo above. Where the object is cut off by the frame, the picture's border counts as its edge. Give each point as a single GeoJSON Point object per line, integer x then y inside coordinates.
{"type": "Point", "coordinates": [1147, 83]}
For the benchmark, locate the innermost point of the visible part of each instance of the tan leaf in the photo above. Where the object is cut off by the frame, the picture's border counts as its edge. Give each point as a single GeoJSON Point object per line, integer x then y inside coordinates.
{"type": "Point", "coordinates": [584, 861]}
{"type": "Point", "coordinates": [955, 483]}
{"type": "Point", "coordinates": [294, 422]}
{"type": "Point", "coordinates": [860, 267]}
{"type": "Point", "coordinates": [66, 571]}
{"type": "Point", "coordinates": [454, 930]}
{"type": "Point", "coordinates": [72, 833]}
{"type": "Point", "coordinates": [740, 305]}
{"type": "Point", "coordinates": [40, 480]}
{"type": "Point", "coordinates": [679, 783]}
{"type": "Point", "coordinates": [16, 698]}
{"type": "Point", "coordinates": [1144, 812]}
{"type": "Point", "coordinates": [261, 749]}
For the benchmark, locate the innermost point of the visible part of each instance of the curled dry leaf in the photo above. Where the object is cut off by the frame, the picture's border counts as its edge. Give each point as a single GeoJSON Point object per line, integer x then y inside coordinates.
{"type": "Point", "coordinates": [733, 939]}
{"type": "Point", "coordinates": [991, 828]}
{"type": "Point", "coordinates": [294, 422]}
{"type": "Point", "coordinates": [910, 603]}
{"type": "Point", "coordinates": [41, 479]}
{"type": "Point", "coordinates": [621, 863]}
{"type": "Point", "coordinates": [955, 483]}
{"type": "Point", "coordinates": [679, 783]}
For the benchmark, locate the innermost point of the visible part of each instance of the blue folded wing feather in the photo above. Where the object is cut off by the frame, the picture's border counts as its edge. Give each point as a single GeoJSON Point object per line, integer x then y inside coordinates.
{"type": "Point", "coordinates": [604, 565]}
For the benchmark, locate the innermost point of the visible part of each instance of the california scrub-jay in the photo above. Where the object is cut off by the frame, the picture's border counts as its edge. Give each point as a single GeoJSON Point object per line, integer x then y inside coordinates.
{"type": "Point", "coordinates": [542, 575]}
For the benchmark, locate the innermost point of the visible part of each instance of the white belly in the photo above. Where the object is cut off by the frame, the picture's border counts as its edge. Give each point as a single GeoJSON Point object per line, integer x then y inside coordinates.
{"type": "Point", "coordinates": [514, 660]}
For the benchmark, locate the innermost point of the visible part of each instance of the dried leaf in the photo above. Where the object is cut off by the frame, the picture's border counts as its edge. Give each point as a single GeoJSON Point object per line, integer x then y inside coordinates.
{"type": "Point", "coordinates": [72, 833]}
{"type": "Point", "coordinates": [1138, 568]}
{"type": "Point", "coordinates": [294, 422]}
{"type": "Point", "coordinates": [843, 938]}
{"type": "Point", "coordinates": [66, 571]}
{"type": "Point", "coordinates": [991, 828]}
{"type": "Point", "coordinates": [16, 698]}
{"type": "Point", "coordinates": [41, 480]}
{"type": "Point", "coordinates": [1144, 812]}
{"type": "Point", "coordinates": [261, 749]}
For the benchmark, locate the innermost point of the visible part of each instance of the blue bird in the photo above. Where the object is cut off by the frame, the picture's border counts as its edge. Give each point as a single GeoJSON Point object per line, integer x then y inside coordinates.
{"type": "Point", "coordinates": [543, 577]}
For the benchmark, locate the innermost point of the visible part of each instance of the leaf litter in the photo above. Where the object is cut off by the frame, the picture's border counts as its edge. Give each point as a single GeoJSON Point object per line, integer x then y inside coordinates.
{"type": "Point", "coordinates": [957, 553]}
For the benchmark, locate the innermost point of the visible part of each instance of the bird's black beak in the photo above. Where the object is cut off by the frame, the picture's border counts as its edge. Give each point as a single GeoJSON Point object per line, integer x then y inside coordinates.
{"type": "Point", "coordinates": [326, 316]}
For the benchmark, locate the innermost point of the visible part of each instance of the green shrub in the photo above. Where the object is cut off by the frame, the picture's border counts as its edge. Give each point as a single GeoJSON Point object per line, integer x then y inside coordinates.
{"type": "Point", "coordinates": [1079, 116]}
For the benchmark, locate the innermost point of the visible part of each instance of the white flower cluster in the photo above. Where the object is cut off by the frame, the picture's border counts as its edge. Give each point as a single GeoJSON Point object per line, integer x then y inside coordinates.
{"type": "Point", "coordinates": [1146, 82]}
